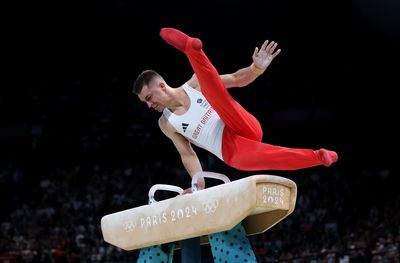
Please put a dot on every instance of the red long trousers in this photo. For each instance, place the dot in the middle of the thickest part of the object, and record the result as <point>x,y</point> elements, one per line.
<point>242,147</point>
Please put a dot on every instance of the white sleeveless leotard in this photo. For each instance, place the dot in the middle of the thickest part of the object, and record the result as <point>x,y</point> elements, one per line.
<point>200,124</point>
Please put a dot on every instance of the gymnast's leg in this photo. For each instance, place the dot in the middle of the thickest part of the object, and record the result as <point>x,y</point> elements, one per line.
<point>249,155</point>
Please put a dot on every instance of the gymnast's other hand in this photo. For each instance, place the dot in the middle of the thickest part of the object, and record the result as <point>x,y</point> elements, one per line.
<point>187,191</point>
<point>200,186</point>
<point>263,57</point>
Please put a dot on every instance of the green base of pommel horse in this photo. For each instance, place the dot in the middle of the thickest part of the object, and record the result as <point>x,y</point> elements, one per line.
<point>258,202</point>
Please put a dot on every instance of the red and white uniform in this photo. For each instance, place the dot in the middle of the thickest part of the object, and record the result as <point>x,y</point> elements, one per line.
<point>200,124</point>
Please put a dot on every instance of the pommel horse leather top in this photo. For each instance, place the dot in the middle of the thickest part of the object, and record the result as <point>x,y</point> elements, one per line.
<point>260,201</point>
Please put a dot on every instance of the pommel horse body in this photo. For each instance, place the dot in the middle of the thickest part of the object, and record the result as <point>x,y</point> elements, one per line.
<point>259,201</point>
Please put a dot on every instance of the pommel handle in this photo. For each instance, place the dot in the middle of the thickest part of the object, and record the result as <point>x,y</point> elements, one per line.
<point>165,187</point>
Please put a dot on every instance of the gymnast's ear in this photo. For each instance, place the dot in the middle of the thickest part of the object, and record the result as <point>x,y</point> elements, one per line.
<point>163,85</point>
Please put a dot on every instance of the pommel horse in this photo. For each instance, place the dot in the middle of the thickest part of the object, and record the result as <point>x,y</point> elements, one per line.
<point>258,201</point>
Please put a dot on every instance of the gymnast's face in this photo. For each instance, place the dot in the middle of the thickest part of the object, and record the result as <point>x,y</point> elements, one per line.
<point>154,95</point>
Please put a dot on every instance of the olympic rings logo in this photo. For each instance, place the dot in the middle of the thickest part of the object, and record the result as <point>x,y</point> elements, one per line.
<point>210,207</point>
<point>129,226</point>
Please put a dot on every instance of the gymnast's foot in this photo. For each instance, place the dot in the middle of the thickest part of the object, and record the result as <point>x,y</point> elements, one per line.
<point>327,157</point>
<point>179,39</point>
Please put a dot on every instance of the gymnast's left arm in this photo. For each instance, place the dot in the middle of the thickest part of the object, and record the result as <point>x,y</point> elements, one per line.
<point>262,58</point>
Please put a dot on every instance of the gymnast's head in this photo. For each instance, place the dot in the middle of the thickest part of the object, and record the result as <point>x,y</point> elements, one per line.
<point>152,89</point>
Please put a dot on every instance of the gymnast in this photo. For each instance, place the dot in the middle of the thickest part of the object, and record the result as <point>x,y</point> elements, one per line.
<point>203,113</point>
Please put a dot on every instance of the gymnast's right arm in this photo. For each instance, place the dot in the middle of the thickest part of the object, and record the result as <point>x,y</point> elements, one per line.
<point>188,155</point>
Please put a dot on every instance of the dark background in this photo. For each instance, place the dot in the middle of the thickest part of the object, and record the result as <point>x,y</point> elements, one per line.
<point>332,86</point>
<point>69,67</point>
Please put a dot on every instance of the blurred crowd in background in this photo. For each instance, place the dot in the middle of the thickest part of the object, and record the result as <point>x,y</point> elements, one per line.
<point>339,217</point>
<point>70,165</point>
